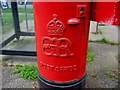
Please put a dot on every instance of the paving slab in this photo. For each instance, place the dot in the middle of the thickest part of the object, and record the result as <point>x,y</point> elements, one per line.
<point>0,73</point>
<point>108,31</point>
<point>105,61</point>
<point>11,80</point>
<point>24,44</point>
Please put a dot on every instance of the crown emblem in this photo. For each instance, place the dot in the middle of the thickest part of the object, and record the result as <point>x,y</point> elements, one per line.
<point>55,27</point>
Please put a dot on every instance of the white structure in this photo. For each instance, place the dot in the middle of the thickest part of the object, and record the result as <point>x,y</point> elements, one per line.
<point>4,4</point>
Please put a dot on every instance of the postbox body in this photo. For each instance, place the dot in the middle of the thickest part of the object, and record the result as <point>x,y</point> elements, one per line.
<point>61,39</point>
<point>61,30</point>
<point>106,12</point>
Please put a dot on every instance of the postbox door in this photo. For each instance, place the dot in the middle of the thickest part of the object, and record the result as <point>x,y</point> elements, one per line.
<point>61,37</point>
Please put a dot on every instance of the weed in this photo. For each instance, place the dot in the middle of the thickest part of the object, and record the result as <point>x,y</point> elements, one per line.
<point>118,27</point>
<point>118,57</point>
<point>97,32</point>
<point>26,71</point>
<point>4,63</point>
<point>90,56</point>
<point>111,75</point>
<point>104,40</point>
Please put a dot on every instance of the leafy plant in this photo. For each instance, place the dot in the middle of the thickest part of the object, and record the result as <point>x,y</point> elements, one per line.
<point>103,40</point>
<point>90,56</point>
<point>26,71</point>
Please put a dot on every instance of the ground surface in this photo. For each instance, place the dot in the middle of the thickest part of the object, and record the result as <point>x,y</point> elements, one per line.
<point>105,61</point>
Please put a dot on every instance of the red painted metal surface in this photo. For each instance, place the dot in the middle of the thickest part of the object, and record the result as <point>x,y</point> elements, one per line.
<point>106,12</point>
<point>62,30</point>
<point>62,39</point>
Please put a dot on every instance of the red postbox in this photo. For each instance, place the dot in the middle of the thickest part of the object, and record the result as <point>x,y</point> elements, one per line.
<point>61,29</point>
<point>61,37</point>
<point>106,12</point>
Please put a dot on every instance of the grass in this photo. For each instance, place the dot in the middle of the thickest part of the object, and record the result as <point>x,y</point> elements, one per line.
<point>104,40</point>
<point>111,75</point>
<point>8,21</point>
<point>20,10</point>
<point>90,55</point>
<point>26,71</point>
<point>22,17</point>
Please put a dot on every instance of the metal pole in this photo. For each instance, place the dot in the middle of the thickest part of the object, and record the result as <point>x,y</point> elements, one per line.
<point>26,15</point>
<point>0,25</point>
<point>97,28</point>
<point>15,19</point>
<point>1,14</point>
<point>118,34</point>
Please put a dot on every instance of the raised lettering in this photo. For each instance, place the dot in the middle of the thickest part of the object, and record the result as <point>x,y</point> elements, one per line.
<point>56,47</point>
<point>58,69</point>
